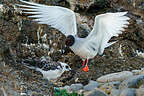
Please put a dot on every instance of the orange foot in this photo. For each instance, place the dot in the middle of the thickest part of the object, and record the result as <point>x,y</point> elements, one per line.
<point>86,69</point>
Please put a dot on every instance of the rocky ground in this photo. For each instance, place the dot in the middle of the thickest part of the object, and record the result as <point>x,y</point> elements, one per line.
<point>19,40</point>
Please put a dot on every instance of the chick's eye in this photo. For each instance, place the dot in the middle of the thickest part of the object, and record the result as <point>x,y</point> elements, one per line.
<point>67,67</point>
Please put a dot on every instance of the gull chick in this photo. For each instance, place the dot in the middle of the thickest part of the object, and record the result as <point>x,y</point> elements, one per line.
<point>50,70</point>
<point>105,26</point>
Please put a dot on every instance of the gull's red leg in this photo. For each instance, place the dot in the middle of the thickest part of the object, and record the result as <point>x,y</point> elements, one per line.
<point>87,61</point>
<point>86,69</point>
<point>83,63</point>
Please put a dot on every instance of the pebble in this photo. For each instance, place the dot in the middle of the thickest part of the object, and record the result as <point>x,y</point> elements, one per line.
<point>1,8</point>
<point>95,92</point>
<point>140,92</point>
<point>138,72</point>
<point>142,86</point>
<point>115,76</point>
<point>115,92</point>
<point>112,84</point>
<point>133,82</point>
<point>140,53</point>
<point>66,87</point>
<point>108,87</point>
<point>91,85</point>
<point>123,83</point>
<point>128,92</point>
<point>76,87</point>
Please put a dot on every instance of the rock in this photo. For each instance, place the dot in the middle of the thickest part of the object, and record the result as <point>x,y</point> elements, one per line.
<point>84,24</point>
<point>95,92</point>
<point>133,82</point>
<point>140,92</point>
<point>84,4</point>
<point>108,87</point>
<point>66,87</point>
<point>115,92</point>
<point>140,53</point>
<point>128,92</point>
<point>1,8</point>
<point>135,6</point>
<point>135,9</point>
<point>80,91</point>
<point>136,72</point>
<point>112,84</point>
<point>142,86</point>
<point>115,76</point>
<point>92,85</point>
<point>76,87</point>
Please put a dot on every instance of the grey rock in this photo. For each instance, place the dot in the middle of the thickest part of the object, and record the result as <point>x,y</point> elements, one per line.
<point>96,92</point>
<point>92,85</point>
<point>133,82</point>
<point>128,92</point>
<point>142,86</point>
<point>114,85</point>
<point>119,76</point>
<point>66,87</point>
<point>76,87</point>
<point>141,5</point>
<point>140,92</point>
<point>115,92</point>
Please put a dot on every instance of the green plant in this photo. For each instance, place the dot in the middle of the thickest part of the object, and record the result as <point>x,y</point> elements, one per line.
<point>63,92</point>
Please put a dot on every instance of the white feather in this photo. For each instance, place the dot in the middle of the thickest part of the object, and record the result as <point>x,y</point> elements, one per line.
<point>58,17</point>
<point>106,26</point>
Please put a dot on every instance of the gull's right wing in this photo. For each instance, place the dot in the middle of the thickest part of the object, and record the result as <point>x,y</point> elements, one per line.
<point>58,17</point>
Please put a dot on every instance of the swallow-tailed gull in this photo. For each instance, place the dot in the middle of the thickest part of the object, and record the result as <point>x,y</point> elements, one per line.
<point>50,70</point>
<point>105,26</point>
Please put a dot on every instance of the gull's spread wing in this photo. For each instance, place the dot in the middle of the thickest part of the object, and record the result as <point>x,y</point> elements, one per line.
<point>58,17</point>
<point>105,26</point>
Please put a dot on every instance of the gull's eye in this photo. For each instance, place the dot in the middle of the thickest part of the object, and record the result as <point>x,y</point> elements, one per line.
<point>68,41</point>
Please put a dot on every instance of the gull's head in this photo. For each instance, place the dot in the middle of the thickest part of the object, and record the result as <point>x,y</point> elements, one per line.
<point>70,40</point>
<point>65,67</point>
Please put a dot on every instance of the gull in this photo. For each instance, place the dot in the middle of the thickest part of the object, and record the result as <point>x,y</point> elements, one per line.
<point>63,19</point>
<point>50,70</point>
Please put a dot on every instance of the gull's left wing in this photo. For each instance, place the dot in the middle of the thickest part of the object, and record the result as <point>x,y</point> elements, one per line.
<point>58,17</point>
<point>105,26</point>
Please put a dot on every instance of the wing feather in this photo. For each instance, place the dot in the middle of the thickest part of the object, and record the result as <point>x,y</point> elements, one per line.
<point>58,17</point>
<point>106,26</point>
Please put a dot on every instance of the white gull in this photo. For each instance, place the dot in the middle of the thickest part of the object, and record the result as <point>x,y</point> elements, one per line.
<point>105,26</point>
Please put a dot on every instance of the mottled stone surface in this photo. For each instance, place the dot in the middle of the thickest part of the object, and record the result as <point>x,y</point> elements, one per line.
<point>115,76</point>
<point>128,92</point>
<point>76,87</point>
<point>140,92</point>
<point>96,92</point>
<point>91,85</point>
<point>133,82</point>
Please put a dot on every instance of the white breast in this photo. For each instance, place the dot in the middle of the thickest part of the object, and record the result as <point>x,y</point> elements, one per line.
<point>50,75</point>
<point>80,49</point>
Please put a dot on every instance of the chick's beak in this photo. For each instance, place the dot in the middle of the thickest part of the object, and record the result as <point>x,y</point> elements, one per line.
<point>70,69</point>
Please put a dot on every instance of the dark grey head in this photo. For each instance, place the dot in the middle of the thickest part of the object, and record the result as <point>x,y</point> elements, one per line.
<point>70,40</point>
